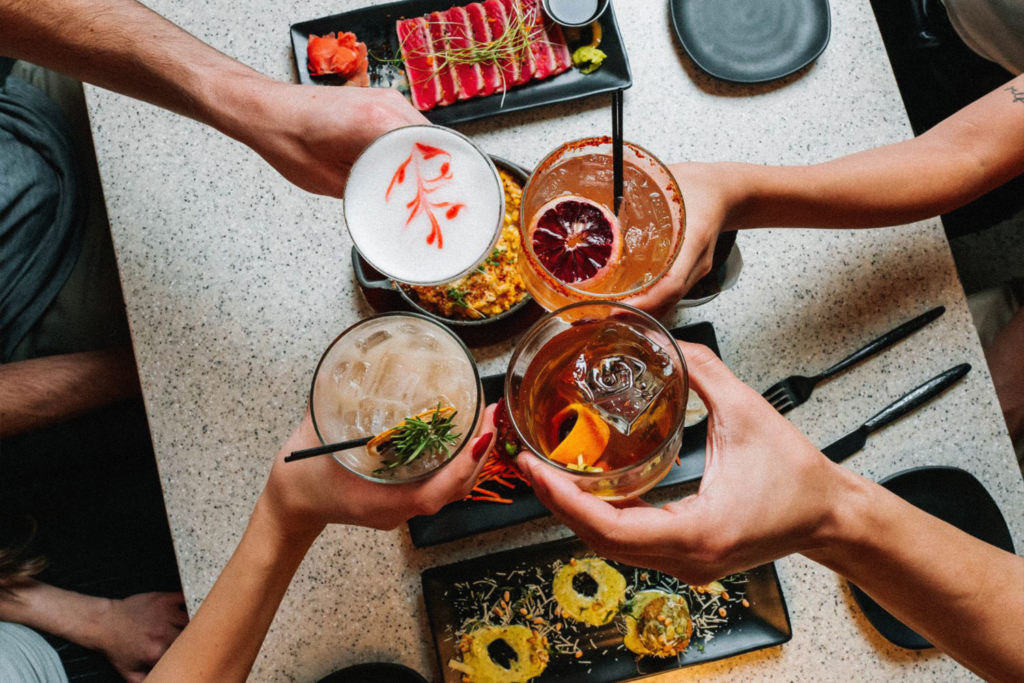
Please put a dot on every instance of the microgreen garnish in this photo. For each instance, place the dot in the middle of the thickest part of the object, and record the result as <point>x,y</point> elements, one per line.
<point>495,255</point>
<point>416,438</point>
<point>458,297</point>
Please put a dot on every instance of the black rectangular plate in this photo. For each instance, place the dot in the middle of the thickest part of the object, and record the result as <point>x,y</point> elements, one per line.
<point>764,624</point>
<point>468,517</point>
<point>375,26</point>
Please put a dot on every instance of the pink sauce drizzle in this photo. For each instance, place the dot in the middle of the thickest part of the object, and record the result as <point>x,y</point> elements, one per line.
<point>421,203</point>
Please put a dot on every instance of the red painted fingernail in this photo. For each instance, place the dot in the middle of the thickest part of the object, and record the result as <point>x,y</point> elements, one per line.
<point>481,445</point>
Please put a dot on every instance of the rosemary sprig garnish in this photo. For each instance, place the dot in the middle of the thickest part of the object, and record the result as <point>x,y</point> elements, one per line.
<point>416,438</point>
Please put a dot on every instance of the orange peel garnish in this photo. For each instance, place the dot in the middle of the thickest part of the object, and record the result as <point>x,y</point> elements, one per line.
<point>586,441</point>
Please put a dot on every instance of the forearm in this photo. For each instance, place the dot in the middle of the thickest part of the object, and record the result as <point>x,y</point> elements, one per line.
<point>965,156</point>
<point>42,391</point>
<point>123,46</point>
<point>222,640</point>
<point>958,592</point>
<point>72,616</point>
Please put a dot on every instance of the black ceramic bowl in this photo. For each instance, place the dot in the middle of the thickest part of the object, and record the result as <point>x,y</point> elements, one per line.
<point>374,672</point>
<point>954,496</point>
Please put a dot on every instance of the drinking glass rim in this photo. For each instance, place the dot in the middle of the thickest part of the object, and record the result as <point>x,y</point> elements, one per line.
<point>529,335</point>
<point>501,197</point>
<point>476,410</point>
<point>546,275</point>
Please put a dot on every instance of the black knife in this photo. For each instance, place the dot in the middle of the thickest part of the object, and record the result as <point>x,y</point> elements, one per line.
<point>855,440</point>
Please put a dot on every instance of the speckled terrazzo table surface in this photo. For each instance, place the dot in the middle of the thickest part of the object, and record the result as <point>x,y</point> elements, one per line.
<point>236,281</point>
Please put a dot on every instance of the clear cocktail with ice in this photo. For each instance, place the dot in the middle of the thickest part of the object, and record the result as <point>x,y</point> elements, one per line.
<point>599,391</point>
<point>383,370</point>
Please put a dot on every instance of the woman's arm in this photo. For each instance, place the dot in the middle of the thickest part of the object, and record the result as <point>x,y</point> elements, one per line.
<point>311,135</point>
<point>300,499</point>
<point>768,492</point>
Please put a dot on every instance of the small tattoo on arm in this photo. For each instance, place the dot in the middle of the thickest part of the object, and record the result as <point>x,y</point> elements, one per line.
<point>1018,95</point>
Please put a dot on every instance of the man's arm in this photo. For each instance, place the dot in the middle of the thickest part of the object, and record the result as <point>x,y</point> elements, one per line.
<point>132,633</point>
<point>768,492</point>
<point>969,154</point>
<point>310,134</point>
<point>963,595</point>
<point>972,152</point>
<point>43,391</point>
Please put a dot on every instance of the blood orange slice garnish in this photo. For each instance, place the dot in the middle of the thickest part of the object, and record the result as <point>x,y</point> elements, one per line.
<point>575,239</point>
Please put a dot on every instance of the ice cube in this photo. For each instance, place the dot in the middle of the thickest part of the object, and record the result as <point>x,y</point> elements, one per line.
<point>634,238</point>
<point>619,388</point>
<point>423,341</point>
<point>367,343</point>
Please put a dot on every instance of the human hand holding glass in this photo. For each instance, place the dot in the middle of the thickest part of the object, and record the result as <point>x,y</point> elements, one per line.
<point>713,196</point>
<point>305,496</point>
<point>768,492</point>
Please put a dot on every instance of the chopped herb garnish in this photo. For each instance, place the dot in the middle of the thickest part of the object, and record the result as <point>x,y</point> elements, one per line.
<point>458,297</point>
<point>493,259</point>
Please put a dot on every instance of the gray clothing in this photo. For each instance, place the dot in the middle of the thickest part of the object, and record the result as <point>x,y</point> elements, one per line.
<point>26,658</point>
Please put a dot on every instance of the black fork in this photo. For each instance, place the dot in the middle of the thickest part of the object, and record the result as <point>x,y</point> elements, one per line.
<point>795,390</point>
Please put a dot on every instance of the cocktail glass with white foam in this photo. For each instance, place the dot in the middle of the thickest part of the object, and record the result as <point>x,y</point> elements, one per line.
<point>384,369</point>
<point>424,205</point>
<point>575,248</point>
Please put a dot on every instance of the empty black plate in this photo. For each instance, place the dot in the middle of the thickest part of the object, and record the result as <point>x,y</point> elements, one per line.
<point>375,26</point>
<point>468,517</point>
<point>752,41</point>
<point>765,623</point>
<point>954,496</point>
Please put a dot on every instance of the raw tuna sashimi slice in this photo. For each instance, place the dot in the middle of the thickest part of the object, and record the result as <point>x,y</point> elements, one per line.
<point>563,58</point>
<point>482,34</point>
<point>418,55</point>
<point>469,77</point>
<point>520,11</point>
<point>543,55</point>
<point>445,74</point>
<point>509,66</point>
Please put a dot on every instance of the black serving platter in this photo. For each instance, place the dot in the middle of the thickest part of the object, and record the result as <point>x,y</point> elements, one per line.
<point>764,624</point>
<point>469,517</point>
<point>954,496</point>
<point>375,26</point>
<point>752,41</point>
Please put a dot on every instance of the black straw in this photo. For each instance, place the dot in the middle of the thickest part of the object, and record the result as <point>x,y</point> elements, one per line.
<point>617,147</point>
<point>329,448</point>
